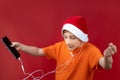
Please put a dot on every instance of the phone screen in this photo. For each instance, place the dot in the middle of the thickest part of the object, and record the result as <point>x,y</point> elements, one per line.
<point>8,44</point>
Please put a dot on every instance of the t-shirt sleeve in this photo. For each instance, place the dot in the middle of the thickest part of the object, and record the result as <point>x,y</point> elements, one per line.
<point>50,52</point>
<point>94,58</point>
<point>53,51</point>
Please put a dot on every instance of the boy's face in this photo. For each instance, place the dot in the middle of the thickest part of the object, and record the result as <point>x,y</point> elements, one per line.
<point>71,40</point>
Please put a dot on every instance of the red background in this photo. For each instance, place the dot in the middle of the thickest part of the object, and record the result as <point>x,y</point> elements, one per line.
<point>38,23</point>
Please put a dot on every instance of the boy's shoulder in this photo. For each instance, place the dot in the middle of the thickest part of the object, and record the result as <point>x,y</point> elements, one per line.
<point>91,46</point>
<point>60,43</point>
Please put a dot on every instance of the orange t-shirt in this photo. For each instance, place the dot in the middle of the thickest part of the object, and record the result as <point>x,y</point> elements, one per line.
<point>79,66</point>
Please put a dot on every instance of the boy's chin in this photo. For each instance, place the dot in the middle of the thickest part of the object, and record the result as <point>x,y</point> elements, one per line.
<point>71,49</point>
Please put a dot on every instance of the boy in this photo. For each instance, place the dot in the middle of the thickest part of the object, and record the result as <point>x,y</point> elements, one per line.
<point>76,58</point>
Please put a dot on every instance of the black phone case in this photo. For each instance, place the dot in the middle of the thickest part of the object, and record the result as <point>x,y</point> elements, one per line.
<point>8,44</point>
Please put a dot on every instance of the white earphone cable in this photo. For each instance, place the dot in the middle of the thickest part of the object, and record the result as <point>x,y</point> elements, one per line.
<point>45,74</point>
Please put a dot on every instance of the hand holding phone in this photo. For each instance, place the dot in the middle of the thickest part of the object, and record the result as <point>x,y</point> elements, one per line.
<point>8,44</point>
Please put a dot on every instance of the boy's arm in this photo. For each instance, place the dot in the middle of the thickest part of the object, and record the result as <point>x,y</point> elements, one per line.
<point>32,50</point>
<point>107,60</point>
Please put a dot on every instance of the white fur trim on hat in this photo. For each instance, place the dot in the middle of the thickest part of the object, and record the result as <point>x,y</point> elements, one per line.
<point>76,31</point>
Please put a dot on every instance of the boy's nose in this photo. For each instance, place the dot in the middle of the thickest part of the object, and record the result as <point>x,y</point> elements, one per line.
<point>68,41</point>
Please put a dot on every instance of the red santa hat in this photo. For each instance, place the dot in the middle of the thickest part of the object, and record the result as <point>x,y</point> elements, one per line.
<point>77,26</point>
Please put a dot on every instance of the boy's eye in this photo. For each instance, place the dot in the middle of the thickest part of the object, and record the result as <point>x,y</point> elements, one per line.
<point>70,37</point>
<point>65,37</point>
<point>73,37</point>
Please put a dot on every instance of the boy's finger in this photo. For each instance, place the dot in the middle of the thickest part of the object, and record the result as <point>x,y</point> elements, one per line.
<point>113,47</point>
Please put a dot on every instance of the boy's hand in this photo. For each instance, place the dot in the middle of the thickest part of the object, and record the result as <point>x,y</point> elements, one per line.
<point>17,45</point>
<point>110,50</point>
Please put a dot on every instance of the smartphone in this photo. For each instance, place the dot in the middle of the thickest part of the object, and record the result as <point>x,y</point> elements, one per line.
<point>8,44</point>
